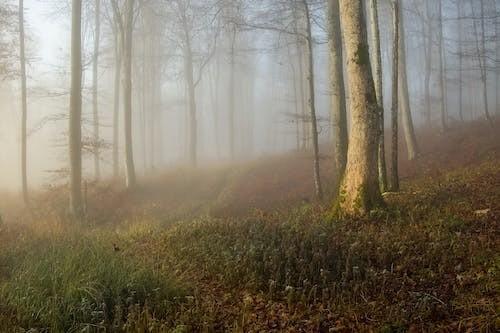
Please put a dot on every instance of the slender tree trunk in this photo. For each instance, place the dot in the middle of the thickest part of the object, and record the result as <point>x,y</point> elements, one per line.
<point>407,121</point>
<point>75,111</point>
<point>460,61</point>
<point>127,94</point>
<point>312,104</point>
<point>428,65</point>
<point>359,191</point>
<point>484,76</point>
<point>193,127</point>
<point>24,109</point>
<point>377,61</point>
<point>95,111</point>
<point>497,58</point>
<point>231,93</point>
<point>338,111</point>
<point>116,108</point>
<point>305,129</point>
<point>394,111</point>
<point>442,70</point>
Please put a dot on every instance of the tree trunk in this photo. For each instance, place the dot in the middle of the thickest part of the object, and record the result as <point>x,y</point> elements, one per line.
<point>360,191</point>
<point>460,61</point>
<point>95,111</point>
<point>394,111</point>
<point>193,127</point>
<point>75,111</point>
<point>428,66</point>
<point>338,111</point>
<point>116,108</point>
<point>231,93</point>
<point>497,58</point>
<point>484,74</point>
<point>312,105</point>
<point>382,171</point>
<point>407,121</point>
<point>442,70</point>
<point>127,94</point>
<point>24,109</point>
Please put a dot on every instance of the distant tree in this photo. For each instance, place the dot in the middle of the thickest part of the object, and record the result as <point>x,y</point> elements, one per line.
<point>394,183</point>
<point>404,93</point>
<point>75,111</point>
<point>442,70</point>
<point>359,191</point>
<point>95,102</point>
<point>24,105</point>
<point>128,25</point>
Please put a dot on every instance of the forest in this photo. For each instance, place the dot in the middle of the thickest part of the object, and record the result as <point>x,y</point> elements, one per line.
<point>249,166</point>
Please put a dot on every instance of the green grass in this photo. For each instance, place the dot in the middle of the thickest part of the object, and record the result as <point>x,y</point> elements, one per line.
<point>427,262</point>
<point>67,284</point>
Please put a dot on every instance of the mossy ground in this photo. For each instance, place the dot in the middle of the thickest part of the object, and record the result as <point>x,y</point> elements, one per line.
<point>213,256</point>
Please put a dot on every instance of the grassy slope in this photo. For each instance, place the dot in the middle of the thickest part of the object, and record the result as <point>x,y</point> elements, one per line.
<point>252,254</point>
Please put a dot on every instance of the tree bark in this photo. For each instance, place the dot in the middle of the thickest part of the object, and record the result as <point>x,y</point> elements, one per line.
<point>359,191</point>
<point>116,109</point>
<point>407,121</point>
<point>338,102</point>
<point>24,105</point>
<point>95,111</point>
<point>428,65</point>
<point>131,180</point>
<point>377,62</point>
<point>460,61</point>
<point>484,74</point>
<point>442,70</point>
<point>232,93</point>
<point>312,104</point>
<point>394,111</point>
<point>75,111</point>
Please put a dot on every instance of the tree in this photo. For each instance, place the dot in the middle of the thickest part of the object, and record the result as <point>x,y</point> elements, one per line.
<point>377,62</point>
<point>24,106</point>
<point>482,57</point>
<point>407,121</point>
<point>442,70</point>
<point>359,191</point>
<point>75,111</point>
<point>394,109</point>
<point>312,104</point>
<point>127,93</point>
<point>338,108</point>
<point>95,67</point>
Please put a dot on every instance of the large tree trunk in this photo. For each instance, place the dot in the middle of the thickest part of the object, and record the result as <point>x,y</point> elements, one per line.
<point>312,104</point>
<point>377,62</point>
<point>193,127</point>
<point>116,108</point>
<point>95,111</point>
<point>394,111</point>
<point>75,111</point>
<point>24,108</point>
<point>359,191</point>
<point>407,121</point>
<point>442,70</point>
<point>127,94</point>
<point>338,103</point>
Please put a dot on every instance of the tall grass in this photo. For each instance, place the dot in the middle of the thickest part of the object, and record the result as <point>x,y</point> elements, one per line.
<point>67,284</point>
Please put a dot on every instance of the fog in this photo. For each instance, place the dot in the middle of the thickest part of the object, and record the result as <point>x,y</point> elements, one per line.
<point>268,112</point>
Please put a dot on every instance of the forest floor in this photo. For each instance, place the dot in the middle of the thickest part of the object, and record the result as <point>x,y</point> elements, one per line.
<point>244,248</point>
